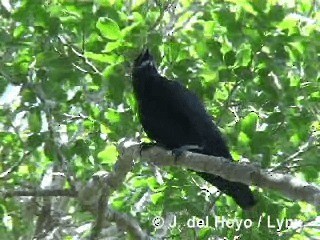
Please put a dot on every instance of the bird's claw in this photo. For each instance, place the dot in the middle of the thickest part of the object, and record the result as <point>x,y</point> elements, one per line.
<point>145,146</point>
<point>177,152</point>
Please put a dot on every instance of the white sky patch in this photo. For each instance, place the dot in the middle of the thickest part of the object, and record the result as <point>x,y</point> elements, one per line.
<point>10,95</point>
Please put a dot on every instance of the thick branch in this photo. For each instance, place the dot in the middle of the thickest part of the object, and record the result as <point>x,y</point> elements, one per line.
<point>127,222</point>
<point>289,186</point>
<point>39,193</point>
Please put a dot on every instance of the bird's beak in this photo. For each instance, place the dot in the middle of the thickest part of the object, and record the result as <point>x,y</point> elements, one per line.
<point>147,55</point>
<point>144,59</point>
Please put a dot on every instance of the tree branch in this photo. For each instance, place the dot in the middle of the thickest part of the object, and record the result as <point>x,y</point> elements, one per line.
<point>39,193</point>
<point>289,186</point>
<point>95,196</point>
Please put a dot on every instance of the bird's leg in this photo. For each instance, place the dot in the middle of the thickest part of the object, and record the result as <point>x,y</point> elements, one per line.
<point>145,146</point>
<point>177,152</point>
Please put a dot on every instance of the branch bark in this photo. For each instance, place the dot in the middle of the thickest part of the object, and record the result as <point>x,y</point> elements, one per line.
<point>288,185</point>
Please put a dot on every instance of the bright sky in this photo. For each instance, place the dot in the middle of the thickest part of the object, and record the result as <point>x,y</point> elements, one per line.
<point>10,94</point>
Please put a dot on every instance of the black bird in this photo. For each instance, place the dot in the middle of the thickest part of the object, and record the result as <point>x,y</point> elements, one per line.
<point>174,117</point>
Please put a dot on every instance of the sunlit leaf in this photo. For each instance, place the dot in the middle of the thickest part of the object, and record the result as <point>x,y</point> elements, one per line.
<point>108,28</point>
<point>108,155</point>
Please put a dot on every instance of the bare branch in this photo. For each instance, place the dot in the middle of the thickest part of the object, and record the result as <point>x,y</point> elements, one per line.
<point>6,174</point>
<point>95,196</point>
<point>128,223</point>
<point>291,161</point>
<point>80,55</point>
<point>289,186</point>
<point>39,193</point>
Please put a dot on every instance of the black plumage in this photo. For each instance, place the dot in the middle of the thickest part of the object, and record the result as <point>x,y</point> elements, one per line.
<point>174,117</point>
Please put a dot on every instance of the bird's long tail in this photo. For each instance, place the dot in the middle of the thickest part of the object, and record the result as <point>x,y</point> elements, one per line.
<point>240,192</point>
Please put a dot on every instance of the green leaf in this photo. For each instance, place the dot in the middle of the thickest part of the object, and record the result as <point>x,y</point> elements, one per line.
<point>23,170</point>
<point>156,197</point>
<point>249,124</point>
<point>172,50</point>
<point>224,75</point>
<point>243,139</point>
<point>230,58</point>
<point>113,116</point>
<point>49,150</point>
<point>276,117</point>
<point>244,56</point>
<point>105,58</point>
<point>34,141</point>
<point>34,121</point>
<point>108,155</point>
<point>112,46</point>
<point>81,149</point>
<point>108,28</point>
<point>3,85</point>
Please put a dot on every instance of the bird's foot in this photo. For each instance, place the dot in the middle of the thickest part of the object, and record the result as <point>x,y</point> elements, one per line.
<point>145,146</point>
<point>177,152</point>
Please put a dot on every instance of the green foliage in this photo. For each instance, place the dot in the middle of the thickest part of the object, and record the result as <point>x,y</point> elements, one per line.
<point>109,28</point>
<point>66,97</point>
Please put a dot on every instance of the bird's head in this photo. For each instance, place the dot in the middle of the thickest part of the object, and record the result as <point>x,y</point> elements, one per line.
<point>145,61</point>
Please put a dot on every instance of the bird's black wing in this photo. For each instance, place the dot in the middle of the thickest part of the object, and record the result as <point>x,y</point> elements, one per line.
<point>171,114</point>
<point>177,118</point>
